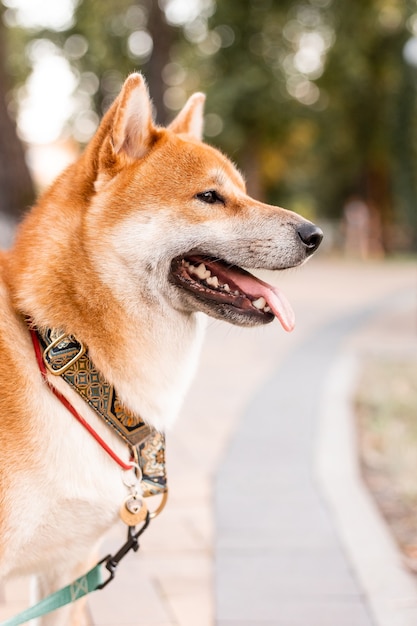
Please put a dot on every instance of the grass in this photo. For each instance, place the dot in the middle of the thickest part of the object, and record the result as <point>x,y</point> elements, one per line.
<point>386,405</point>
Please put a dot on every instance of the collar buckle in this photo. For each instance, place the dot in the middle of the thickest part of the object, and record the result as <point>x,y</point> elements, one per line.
<point>52,362</point>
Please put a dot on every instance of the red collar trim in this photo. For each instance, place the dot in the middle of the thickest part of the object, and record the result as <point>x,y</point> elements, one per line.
<point>70,408</point>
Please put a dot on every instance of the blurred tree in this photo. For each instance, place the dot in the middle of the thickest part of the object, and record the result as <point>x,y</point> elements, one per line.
<point>319,95</point>
<point>368,142</point>
<point>163,37</point>
<point>313,98</point>
<point>264,95</point>
<point>240,61</point>
<point>16,188</point>
<point>131,29</point>
<point>106,42</point>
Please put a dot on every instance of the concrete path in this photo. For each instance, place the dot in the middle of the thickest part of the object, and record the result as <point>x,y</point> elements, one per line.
<point>279,557</point>
<point>251,535</point>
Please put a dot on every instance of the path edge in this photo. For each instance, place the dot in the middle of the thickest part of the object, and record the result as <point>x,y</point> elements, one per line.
<point>390,589</point>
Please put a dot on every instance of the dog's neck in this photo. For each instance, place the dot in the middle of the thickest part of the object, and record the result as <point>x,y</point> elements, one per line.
<point>152,365</point>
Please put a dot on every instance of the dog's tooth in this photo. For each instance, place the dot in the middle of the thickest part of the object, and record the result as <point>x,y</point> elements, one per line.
<point>226,287</point>
<point>266,309</point>
<point>260,303</point>
<point>213,281</point>
<point>193,269</point>
<point>202,272</point>
<point>236,293</point>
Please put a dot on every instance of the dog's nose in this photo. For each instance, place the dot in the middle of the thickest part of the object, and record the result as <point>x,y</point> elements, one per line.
<point>311,236</point>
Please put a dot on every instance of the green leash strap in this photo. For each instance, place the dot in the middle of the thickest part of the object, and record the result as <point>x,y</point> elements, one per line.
<point>83,585</point>
<point>80,587</point>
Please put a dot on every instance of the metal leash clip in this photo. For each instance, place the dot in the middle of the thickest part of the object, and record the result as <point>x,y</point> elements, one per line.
<point>132,543</point>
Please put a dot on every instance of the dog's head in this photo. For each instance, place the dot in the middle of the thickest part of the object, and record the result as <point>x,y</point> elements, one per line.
<point>176,224</point>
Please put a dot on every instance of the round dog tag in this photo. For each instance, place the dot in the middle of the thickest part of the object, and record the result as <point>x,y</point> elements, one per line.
<point>133,511</point>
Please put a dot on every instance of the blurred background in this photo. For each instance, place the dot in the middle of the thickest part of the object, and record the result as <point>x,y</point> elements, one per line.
<point>316,102</point>
<point>314,99</point>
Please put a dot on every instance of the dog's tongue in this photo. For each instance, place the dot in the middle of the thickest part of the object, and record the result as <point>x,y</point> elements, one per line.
<point>276,300</point>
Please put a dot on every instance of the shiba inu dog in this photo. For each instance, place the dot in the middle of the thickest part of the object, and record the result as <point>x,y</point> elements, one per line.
<point>149,229</point>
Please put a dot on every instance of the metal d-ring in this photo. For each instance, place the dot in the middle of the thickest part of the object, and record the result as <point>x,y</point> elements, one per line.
<point>161,506</point>
<point>135,465</point>
<point>137,475</point>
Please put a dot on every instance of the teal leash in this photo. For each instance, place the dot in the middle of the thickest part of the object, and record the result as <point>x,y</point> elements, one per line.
<point>91,581</point>
<point>77,589</point>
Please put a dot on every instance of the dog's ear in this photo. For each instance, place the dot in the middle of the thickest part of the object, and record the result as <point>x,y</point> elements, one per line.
<point>133,129</point>
<point>126,132</point>
<point>190,119</point>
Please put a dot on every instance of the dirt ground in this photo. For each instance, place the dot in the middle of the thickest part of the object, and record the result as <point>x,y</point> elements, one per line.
<point>387,430</point>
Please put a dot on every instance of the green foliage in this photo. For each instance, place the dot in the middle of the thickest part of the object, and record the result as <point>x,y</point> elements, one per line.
<point>313,98</point>
<point>96,46</point>
<point>342,126</point>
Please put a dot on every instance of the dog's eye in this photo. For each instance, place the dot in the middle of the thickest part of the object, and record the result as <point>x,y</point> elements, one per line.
<point>210,197</point>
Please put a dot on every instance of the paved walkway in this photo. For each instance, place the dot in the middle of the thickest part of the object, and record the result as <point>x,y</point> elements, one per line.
<point>279,558</point>
<point>248,538</point>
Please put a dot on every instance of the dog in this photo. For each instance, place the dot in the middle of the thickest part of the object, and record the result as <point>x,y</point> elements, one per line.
<point>127,250</point>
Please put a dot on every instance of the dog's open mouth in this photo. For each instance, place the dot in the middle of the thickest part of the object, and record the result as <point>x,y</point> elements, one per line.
<point>218,284</point>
